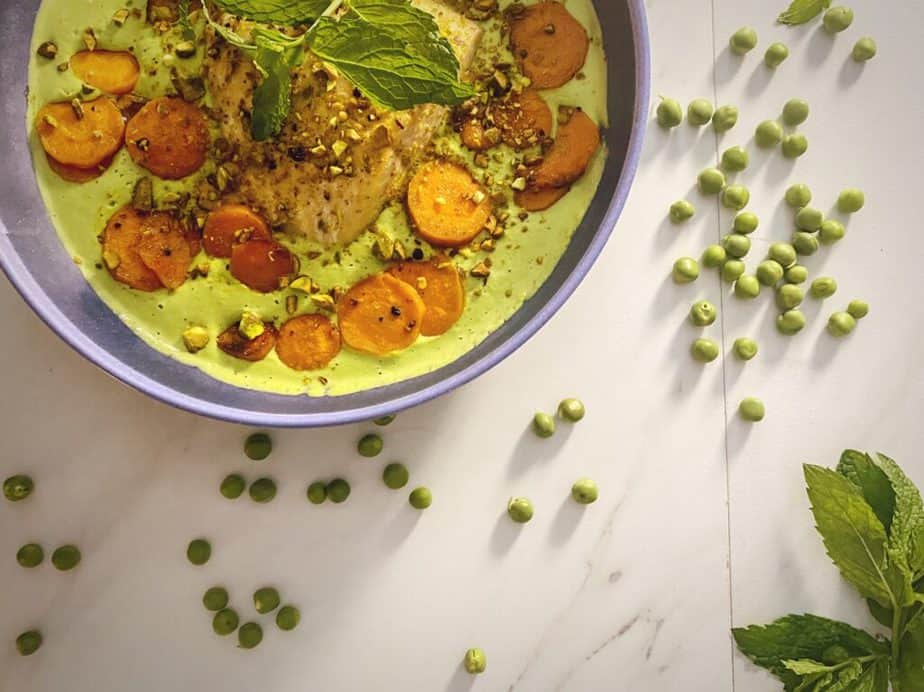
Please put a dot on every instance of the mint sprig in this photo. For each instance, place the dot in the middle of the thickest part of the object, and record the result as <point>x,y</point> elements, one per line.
<point>802,11</point>
<point>288,12</point>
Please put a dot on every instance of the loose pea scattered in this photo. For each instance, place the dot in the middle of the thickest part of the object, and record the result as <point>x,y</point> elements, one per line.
<point>258,446</point>
<point>317,493</point>
<point>265,600</point>
<point>66,558</point>
<point>396,476</point>
<point>831,231</point>
<point>288,617</point>
<point>790,322</point>
<point>420,498</point>
<point>735,197</point>
<point>686,269</point>
<point>225,622</point>
<point>858,309</point>
<point>743,41</point>
<point>745,348</point>
<point>809,219</point>
<point>714,256</point>
<point>864,49</point>
<point>768,134</point>
<point>806,244</point>
<point>249,635</point>
<point>736,245</point>
<point>796,274</point>
<point>745,223</point>
<point>338,490</point>
<point>681,211</point>
<point>769,272</point>
<point>19,487</point>
<point>732,270</point>
<point>571,410</point>
<point>385,420</point>
<point>789,296</point>
<point>29,642</point>
<point>735,159</point>
<point>838,19</point>
<point>199,551</point>
<point>798,195</point>
<point>752,410</point>
<point>704,350</point>
<point>699,112</point>
<point>585,491</point>
<point>520,510</point>
<point>747,287</point>
<point>30,555</point>
<point>215,599</point>
<point>725,118</point>
<point>703,313</point>
<point>784,253</point>
<point>263,490</point>
<point>841,324</point>
<point>794,146</point>
<point>776,55</point>
<point>370,445</point>
<point>711,181</point>
<point>850,201</point>
<point>543,425</point>
<point>795,112</point>
<point>823,287</point>
<point>233,486</point>
<point>669,113</point>
<point>475,662</point>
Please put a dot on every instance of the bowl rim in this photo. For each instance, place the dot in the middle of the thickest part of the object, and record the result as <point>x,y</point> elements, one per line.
<point>58,322</point>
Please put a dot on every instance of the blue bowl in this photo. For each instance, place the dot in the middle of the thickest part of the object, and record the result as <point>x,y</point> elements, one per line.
<point>44,274</point>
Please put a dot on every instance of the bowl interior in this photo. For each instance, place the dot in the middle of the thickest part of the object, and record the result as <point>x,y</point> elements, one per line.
<point>45,275</point>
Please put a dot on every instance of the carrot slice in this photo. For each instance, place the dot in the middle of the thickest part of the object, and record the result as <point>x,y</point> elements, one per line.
<point>73,174</point>
<point>232,224</point>
<point>115,72</point>
<point>308,342</point>
<point>441,199</point>
<point>439,285</point>
<point>540,199</point>
<point>524,119</point>
<point>193,237</point>
<point>550,44</point>
<point>169,137</point>
<point>570,155</point>
<point>83,136</point>
<point>473,136</point>
<point>120,251</point>
<point>260,264</point>
<point>164,249</point>
<point>232,342</point>
<point>380,315</point>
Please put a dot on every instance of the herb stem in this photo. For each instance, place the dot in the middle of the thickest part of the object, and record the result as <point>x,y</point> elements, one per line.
<point>897,615</point>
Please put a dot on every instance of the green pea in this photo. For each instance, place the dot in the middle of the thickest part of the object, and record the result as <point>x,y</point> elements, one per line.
<point>543,425</point>
<point>703,313</point>
<point>224,622</point>
<point>682,211</point>
<point>669,113</point>
<point>475,662</point>
<point>258,446</point>
<point>370,445</point>
<point>806,244</point>
<point>823,287</point>
<point>30,555</point>
<point>735,197</point>
<point>752,410</point>
<point>768,134</point>
<point>699,112</point>
<point>796,274</point>
<point>745,348</point>
<point>317,492</point>
<point>704,350</point>
<point>338,490</point>
<point>66,558</point>
<point>396,476</point>
<point>798,196</point>
<point>28,643</point>
<point>789,296</point>
<point>232,487</point>
<point>249,636</point>
<point>850,201</point>
<point>585,491</point>
<point>743,41</point>
<point>732,270</point>
<point>263,490</point>
<point>776,55</point>
<point>287,618</point>
<point>16,488</point>
<point>686,269</point>
<point>794,146</point>
<point>735,159</point>
<point>795,112</point>
<point>745,223</point>
<point>864,49</point>
<point>520,510</point>
<point>858,309</point>
<point>265,600</point>
<point>747,287</point>
<point>420,498</point>
<point>841,324</point>
<point>831,231</point>
<point>385,420</point>
<point>571,410</point>
<point>714,256</point>
<point>199,551</point>
<point>725,118</point>
<point>769,272</point>
<point>711,181</point>
<point>838,19</point>
<point>809,219</point>
<point>790,322</point>
<point>784,253</point>
<point>736,245</point>
<point>215,599</point>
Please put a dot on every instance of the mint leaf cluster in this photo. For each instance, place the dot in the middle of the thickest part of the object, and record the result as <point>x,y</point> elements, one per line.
<point>802,11</point>
<point>871,520</point>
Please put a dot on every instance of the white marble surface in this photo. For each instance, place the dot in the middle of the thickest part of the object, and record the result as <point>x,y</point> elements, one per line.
<point>702,520</point>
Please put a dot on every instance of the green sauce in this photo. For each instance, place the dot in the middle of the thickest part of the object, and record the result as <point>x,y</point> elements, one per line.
<point>524,257</point>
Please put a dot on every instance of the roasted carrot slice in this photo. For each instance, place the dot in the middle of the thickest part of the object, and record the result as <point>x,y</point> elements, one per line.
<point>524,119</point>
<point>540,199</point>
<point>73,174</point>
<point>550,44</point>
<point>115,72</point>
<point>169,137</point>
<point>569,156</point>
<point>193,237</point>
<point>164,249</point>
<point>261,264</point>
<point>380,315</point>
<point>473,136</point>
<point>120,251</point>
<point>232,342</point>
<point>439,285</point>
<point>446,205</point>
<point>308,342</point>
<point>83,135</point>
<point>232,224</point>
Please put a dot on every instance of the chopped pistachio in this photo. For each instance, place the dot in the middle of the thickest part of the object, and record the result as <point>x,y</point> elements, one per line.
<point>478,197</point>
<point>48,50</point>
<point>111,259</point>
<point>64,66</point>
<point>318,150</point>
<point>384,246</point>
<point>143,195</point>
<point>224,178</point>
<point>353,135</point>
<point>89,39</point>
<point>421,283</point>
<point>195,339</point>
<point>338,148</point>
<point>324,301</point>
<point>481,270</point>
<point>519,184</point>
<point>251,326</point>
<point>51,121</point>
<point>185,49</point>
<point>302,284</point>
<point>291,304</point>
<point>488,245</point>
<point>335,171</point>
<point>120,17</point>
<point>400,251</point>
<point>78,109</point>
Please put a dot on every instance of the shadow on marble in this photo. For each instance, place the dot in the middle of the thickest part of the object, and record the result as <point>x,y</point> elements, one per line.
<point>820,46</point>
<point>505,534</point>
<point>759,80</point>
<point>850,72</point>
<point>827,346</point>
<point>569,516</point>
<point>532,449</point>
<point>727,66</point>
<point>461,680</point>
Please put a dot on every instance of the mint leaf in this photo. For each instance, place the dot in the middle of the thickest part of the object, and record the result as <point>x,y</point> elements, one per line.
<point>272,100</point>
<point>909,673</point>
<point>860,470</point>
<point>875,678</point>
<point>288,12</point>
<point>907,533</point>
<point>855,539</point>
<point>802,11</point>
